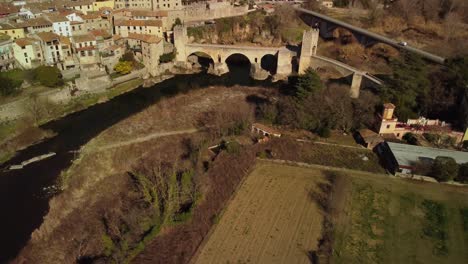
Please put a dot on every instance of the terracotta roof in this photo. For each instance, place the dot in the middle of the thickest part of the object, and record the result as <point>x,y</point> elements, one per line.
<point>22,42</point>
<point>40,21</point>
<point>75,22</point>
<point>7,8</point>
<point>48,36</point>
<point>138,23</point>
<point>65,40</point>
<point>101,33</point>
<point>84,38</point>
<point>92,15</point>
<point>54,17</point>
<point>7,26</point>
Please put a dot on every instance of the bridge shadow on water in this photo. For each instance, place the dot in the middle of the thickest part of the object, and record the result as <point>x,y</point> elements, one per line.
<point>24,194</point>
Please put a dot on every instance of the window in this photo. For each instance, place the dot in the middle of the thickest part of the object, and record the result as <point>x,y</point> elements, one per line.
<point>25,55</point>
<point>26,60</point>
<point>388,126</point>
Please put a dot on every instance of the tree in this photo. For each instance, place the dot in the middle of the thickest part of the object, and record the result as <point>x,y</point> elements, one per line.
<point>444,168</point>
<point>177,22</point>
<point>167,57</point>
<point>463,173</point>
<point>123,67</point>
<point>410,138</point>
<point>408,86</point>
<point>308,83</point>
<point>49,76</point>
<point>8,86</point>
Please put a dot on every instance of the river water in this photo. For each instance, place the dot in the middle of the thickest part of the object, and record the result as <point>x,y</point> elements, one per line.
<point>25,193</point>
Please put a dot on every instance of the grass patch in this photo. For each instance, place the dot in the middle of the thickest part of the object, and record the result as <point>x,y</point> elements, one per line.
<point>384,220</point>
<point>434,226</point>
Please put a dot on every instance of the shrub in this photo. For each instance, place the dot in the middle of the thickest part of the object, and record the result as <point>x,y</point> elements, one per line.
<point>324,132</point>
<point>444,168</point>
<point>167,57</point>
<point>124,67</point>
<point>410,138</point>
<point>463,173</point>
<point>8,86</point>
<point>233,148</point>
<point>433,138</point>
<point>48,76</point>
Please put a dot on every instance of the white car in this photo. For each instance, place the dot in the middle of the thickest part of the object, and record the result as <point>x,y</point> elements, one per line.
<point>403,43</point>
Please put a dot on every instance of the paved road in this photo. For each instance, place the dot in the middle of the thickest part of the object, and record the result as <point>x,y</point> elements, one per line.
<point>375,36</point>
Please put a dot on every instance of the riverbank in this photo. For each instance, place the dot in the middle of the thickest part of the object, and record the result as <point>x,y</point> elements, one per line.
<point>18,134</point>
<point>98,186</point>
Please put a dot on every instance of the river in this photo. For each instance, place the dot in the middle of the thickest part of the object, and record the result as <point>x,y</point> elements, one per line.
<point>25,193</point>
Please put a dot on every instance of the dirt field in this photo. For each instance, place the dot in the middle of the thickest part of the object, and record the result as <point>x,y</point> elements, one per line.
<point>385,220</point>
<point>271,219</point>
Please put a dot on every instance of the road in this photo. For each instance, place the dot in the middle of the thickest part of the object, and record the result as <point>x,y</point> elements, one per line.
<point>375,36</point>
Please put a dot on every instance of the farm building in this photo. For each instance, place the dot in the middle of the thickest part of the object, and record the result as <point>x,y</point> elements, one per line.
<point>403,158</point>
<point>265,130</point>
<point>368,138</point>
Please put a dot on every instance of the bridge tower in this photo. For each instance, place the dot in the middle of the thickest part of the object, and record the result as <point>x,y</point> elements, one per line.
<point>180,42</point>
<point>308,49</point>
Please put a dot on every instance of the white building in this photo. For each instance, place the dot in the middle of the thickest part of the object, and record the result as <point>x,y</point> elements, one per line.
<point>60,24</point>
<point>7,59</point>
<point>51,47</point>
<point>28,52</point>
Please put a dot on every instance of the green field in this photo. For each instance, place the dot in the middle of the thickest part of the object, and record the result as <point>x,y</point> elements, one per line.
<point>386,220</point>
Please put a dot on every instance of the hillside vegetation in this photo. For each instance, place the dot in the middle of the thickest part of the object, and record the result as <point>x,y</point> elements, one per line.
<point>282,27</point>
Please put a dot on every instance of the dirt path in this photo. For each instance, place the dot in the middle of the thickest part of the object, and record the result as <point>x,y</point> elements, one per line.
<point>145,138</point>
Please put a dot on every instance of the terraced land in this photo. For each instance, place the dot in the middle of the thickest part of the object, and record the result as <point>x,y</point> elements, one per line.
<point>272,218</point>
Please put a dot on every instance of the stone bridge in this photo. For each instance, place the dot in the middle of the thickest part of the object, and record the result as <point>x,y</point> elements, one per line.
<point>284,58</point>
<point>220,53</point>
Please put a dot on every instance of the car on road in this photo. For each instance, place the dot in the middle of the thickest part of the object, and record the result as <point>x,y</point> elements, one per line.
<point>403,43</point>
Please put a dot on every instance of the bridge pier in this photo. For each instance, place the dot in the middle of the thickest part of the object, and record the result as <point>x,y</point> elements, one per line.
<point>257,73</point>
<point>308,49</point>
<point>218,68</point>
<point>356,85</point>
<point>284,64</point>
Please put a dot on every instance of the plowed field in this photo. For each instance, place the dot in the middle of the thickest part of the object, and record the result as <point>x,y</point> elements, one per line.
<point>272,219</point>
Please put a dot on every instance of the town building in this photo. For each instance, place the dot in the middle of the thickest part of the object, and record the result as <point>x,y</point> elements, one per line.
<point>403,158</point>
<point>83,6</point>
<point>134,4</point>
<point>7,59</point>
<point>28,52</point>
<point>36,25</point>
<point>167,4</point>
<point>60,24</point>
<point>146,27</point>
<point>390,127</point>
<point>51,48</point>
<point>85,48</point>
<point>94,21</point>
<point>12,30</point>
<point>103,4</point>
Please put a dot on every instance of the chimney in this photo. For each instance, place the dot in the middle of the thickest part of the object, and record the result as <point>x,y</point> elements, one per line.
<point>388,111</point>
